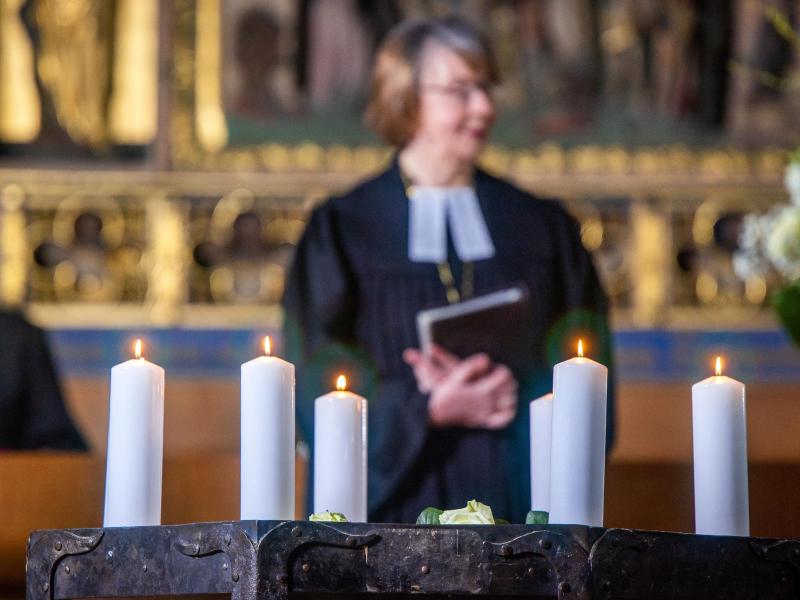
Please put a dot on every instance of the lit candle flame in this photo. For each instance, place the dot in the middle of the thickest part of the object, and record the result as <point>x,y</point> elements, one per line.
<point>267,346</point>
<point>341,383</point>
<point>580,348</point>
<point>137,349</point>
<point>718,368</point>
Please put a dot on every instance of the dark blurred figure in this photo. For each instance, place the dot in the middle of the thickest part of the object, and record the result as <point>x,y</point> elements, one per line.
<point>247,241</point>
<point>726,231</point>
<point>32,410</point>
<point>257,55</point>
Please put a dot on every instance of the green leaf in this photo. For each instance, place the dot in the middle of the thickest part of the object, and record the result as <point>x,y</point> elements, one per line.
<point>501,522</point>
<point>537,517</point>
<point>786,303</point>
<point>429,516</point>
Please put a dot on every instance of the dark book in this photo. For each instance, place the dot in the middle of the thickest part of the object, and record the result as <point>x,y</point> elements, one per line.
<point>496,324</point>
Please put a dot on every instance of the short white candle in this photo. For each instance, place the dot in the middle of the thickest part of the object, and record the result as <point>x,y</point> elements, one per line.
<point>135,443</point>
<point>267,444</point>
<point>719,427</point>
<point>578,450</point>
<point>541,417</point>
<point>340,453</point>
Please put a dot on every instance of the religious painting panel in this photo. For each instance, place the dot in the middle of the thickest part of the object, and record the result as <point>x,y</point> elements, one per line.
<point>638,73</point>
<point>705,237</point>
<point>242,245</point>
<point>78,79</point>
<point>73,246</point>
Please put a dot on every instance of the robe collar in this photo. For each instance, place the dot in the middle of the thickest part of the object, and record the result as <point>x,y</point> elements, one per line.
<point>433,211</point>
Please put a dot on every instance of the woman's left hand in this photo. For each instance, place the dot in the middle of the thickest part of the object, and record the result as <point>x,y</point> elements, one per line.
<point>430,368</point>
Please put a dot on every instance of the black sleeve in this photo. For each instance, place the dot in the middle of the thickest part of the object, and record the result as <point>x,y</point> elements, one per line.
<point>47,423</point>
<point>585,310</point>
<point>319,305</point>
<point>320,310</point>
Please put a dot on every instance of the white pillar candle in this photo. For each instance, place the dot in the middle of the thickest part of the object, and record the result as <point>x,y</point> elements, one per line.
<point>578,450</point>
<point>135,444</point>
<point>340,453</point>
<point>267,444</point>
<point>541,417</point>
<point>721,505</point>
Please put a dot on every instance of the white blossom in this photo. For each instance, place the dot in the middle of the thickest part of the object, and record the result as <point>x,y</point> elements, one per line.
<point>753,233</point>
<point>792,182</point>
<point>772,241</point>
<point>783,243</point>
<point>747,265</point>
<point>750,260</point>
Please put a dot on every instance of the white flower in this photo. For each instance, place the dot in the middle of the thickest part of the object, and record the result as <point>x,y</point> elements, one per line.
<point>474,513</point>
<point>772,240</point>
<point>783,243</point>
<point>749,260</point>
<point>328,516</point>
<point>792,182</point>
<point>753,234</point>
<point>747,265</point>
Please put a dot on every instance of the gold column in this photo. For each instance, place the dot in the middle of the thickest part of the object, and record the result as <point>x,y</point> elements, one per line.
<point>20,116</point>
<point>167,259</point>
<point>133,108</point>
<point>650,262</point>
<point>210,126</point>
<point>13,246</point>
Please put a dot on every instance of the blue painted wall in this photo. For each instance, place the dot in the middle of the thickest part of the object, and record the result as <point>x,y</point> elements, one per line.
<point>651,356</point>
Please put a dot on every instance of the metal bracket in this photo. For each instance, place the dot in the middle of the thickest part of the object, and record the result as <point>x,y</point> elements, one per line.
<point>602,560</point>
<point>204,540</point>
<point>784,551</point>
<point>567,557</point>
<point>47,552</point>
<point>276,548</point>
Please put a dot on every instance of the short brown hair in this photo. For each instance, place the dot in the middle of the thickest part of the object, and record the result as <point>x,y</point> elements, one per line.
<point>394,95</point>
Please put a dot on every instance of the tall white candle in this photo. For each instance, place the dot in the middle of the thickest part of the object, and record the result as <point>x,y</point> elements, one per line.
<point>721,504</point>
<point>267,445</point>
<point>135,444</point>
<point>340,453</point>
<point>541,417</point>
<point>578,451</point>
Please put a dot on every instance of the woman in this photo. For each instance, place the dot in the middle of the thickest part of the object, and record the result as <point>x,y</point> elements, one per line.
<point>442,430</point>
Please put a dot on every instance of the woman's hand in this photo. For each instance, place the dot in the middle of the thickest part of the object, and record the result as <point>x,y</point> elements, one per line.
<point>472,392</point>
<point>430,368</point>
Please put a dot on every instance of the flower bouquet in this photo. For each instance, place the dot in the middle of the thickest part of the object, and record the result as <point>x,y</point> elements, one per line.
<point>771,243</point>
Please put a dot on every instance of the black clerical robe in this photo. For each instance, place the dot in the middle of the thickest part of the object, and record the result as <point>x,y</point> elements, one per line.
<point>350,303</point>
<point>32,410</point>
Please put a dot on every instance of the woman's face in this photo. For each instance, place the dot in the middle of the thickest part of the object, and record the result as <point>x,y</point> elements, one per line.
<point>456,111</point>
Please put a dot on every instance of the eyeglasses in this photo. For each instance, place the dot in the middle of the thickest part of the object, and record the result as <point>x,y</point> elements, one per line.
<point>460,91</point>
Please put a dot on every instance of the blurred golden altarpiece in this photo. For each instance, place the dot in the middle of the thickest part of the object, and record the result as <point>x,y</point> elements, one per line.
<point>152,244</point>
